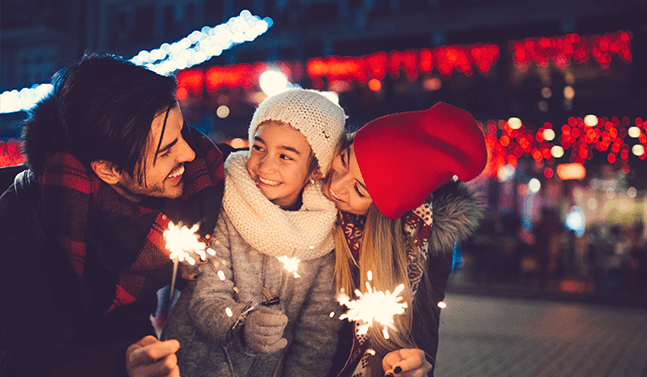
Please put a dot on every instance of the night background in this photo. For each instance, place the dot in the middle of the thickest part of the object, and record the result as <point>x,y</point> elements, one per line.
<point>559,87</point>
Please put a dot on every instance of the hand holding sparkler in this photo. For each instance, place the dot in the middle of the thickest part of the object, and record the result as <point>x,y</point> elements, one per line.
<point>373,307</point>
<point>264,330</point>
<point>408,361</point>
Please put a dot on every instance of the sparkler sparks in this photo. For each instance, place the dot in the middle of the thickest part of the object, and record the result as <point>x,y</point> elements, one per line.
<point>290,264</point>
<point>181,241</point>
<point>373,307</point>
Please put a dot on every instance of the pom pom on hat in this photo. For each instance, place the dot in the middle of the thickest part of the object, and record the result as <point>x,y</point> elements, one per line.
<point>319,119</point>
<point>404,157</point>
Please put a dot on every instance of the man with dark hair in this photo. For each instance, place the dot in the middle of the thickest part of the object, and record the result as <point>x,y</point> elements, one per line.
<point>81,232</point>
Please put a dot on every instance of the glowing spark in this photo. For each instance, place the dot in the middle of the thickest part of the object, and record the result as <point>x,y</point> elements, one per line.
<point>332,314</point>
<point>181,241</point>
<point>373,307</point>
<point>221,275</point>
<point>229,313</point>
<point>290,264</point>
<point>442,305</point>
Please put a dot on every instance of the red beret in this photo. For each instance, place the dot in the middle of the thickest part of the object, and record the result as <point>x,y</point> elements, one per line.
<point>404,157</point>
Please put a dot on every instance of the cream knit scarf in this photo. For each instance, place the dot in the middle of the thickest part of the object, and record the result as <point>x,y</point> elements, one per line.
<point>305,234</point>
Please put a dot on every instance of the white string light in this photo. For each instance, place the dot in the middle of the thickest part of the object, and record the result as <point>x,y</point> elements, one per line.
<point>197,47</point>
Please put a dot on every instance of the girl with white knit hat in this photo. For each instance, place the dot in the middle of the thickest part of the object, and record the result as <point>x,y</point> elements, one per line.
<point>246,314</point>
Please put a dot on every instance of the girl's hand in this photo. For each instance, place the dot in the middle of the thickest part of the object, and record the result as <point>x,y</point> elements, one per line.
<point>406,362</point>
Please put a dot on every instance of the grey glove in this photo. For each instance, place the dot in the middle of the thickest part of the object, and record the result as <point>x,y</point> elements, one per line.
<point>264,330</point>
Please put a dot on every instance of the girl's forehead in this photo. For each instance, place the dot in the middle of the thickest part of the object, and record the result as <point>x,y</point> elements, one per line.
<point>282,134</point>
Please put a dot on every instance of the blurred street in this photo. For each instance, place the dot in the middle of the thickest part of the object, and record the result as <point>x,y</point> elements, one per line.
<point>486,336</point>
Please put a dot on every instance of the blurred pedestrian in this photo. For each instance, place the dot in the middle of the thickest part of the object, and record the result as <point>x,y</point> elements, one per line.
<point>548,238</point>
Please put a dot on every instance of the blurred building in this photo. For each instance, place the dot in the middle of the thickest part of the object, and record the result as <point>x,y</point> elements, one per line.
<point>529,70</point>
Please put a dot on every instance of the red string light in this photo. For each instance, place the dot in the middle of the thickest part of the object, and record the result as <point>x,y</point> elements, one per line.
<point>571,47</point>
<point>506,145</point>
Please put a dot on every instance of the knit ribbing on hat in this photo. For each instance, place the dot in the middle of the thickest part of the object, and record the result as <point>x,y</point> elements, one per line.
<point>319,119</point>
<point>305,234</point>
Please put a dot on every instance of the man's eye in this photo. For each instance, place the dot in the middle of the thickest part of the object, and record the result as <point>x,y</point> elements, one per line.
<point>285,157</point>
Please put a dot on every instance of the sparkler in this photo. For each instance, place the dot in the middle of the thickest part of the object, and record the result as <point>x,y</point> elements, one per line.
<point>290,265</point>
<point>373,307</point>
<point>181,241</point>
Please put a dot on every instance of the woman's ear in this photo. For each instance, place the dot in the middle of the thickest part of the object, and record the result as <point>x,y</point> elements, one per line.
<point>106,171</point>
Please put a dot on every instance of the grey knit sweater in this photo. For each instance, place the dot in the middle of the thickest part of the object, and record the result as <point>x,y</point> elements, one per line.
<point>200,323</point>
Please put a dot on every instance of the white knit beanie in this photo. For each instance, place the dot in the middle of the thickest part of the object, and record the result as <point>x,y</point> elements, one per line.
<point>319,119</point>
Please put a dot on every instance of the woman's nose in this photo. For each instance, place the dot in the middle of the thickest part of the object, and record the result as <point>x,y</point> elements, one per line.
<point>340,183</point>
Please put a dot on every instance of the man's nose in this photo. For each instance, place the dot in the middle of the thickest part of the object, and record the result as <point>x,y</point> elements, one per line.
<point>186,152</point>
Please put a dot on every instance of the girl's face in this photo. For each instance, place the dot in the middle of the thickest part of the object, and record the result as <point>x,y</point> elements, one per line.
<point>345,185</point>
<point>278,162</point>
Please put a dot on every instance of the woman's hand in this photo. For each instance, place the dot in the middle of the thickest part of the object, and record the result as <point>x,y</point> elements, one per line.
<point>406,362</point>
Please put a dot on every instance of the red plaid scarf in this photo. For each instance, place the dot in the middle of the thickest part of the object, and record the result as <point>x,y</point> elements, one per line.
<point>417,225</point>
<point>116,246</point>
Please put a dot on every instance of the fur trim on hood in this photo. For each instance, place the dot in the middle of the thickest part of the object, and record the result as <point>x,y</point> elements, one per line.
<point>457,212</point>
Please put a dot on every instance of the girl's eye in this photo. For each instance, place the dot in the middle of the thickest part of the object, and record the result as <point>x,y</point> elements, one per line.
<point>166,153</point>
<point>343,157</point>
<point>257,147</point>
<point>358,192</point>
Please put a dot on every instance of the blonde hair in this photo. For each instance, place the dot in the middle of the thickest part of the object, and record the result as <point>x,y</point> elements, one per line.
<point>383,251</point>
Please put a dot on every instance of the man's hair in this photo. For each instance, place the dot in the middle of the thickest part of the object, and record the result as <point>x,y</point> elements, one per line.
<point>101,108</point>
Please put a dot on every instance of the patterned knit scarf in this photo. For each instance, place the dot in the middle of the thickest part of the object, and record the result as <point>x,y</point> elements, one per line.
<point>116,246</point>
<point>305,234</point>
<point>417,227</point>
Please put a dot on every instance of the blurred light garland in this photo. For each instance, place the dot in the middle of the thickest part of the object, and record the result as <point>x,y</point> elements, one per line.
<point>561,50</point>
<point>607,136</point>
<point>197,47</point>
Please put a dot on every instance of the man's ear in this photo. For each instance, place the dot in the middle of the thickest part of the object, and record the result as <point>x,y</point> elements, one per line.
<point>106,171</point>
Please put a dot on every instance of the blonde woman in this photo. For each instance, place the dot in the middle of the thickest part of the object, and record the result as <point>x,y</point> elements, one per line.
<point>400,215</point>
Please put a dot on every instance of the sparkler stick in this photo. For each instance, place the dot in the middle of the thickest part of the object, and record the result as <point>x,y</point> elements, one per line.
<point>373,307</point>
<point>291,265</point>
<point>181,241</point>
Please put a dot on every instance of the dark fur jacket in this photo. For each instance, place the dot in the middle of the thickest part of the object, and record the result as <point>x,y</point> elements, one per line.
<point>457,213</point>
